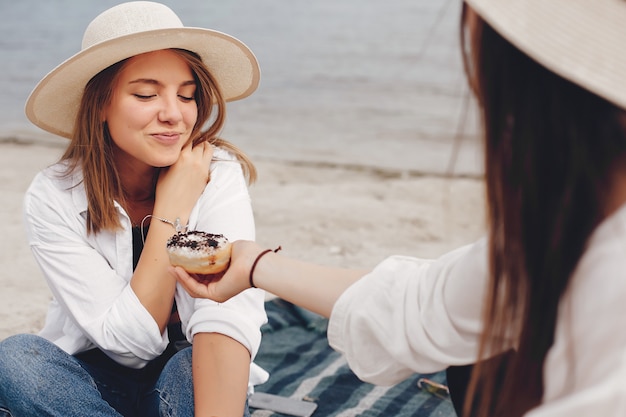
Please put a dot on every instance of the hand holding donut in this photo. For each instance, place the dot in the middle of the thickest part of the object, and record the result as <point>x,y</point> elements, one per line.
<point>223,285</point>
<point>311,286</point>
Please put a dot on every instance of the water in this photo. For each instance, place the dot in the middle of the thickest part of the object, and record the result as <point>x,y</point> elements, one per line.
<point>354,82</point>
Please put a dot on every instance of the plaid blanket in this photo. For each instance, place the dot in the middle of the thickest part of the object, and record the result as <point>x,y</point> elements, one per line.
<point>295,351</point>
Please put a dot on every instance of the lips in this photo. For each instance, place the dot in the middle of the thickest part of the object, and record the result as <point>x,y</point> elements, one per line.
<point>167,137</point>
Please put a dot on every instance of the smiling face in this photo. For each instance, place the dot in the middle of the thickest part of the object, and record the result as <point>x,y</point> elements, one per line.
<point>152,111</point>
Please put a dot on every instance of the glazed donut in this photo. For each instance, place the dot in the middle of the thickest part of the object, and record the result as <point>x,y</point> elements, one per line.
<point>199,252</point>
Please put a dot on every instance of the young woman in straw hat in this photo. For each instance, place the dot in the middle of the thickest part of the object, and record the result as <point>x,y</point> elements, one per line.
<point>549,280</point>
<point>142,104</point>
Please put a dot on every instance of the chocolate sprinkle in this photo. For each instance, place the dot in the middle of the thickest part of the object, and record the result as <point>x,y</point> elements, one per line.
<point>195,240</point>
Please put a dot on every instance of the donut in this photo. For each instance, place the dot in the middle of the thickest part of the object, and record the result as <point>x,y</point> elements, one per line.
<point>199,252</point>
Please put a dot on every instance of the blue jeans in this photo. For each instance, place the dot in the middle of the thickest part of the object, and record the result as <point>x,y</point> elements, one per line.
<point>39,379</point>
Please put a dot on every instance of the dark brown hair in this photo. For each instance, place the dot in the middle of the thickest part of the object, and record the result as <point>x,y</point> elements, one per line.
<point>550,149</point>
<point>91,145</point>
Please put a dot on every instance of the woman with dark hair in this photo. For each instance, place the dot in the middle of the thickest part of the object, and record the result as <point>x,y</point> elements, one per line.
<point>548,283</point>
<point>142,105</point>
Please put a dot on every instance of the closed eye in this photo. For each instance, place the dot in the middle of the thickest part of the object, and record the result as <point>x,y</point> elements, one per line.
<point>142,97</point>
<point>185,98</point>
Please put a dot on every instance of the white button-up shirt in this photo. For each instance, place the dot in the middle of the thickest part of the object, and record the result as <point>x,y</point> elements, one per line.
<point>411,315</point>
<point>89,275</point>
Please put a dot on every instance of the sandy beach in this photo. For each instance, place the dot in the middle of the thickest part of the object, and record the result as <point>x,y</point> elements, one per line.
<point>332,90</point>
<point>328,214</point>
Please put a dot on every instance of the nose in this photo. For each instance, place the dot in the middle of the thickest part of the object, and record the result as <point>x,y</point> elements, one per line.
<point>170,110</point>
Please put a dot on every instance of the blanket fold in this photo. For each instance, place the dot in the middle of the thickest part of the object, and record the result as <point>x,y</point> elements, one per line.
<point>295,351</point>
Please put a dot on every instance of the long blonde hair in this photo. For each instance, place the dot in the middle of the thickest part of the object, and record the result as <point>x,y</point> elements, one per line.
<point>91,145</point>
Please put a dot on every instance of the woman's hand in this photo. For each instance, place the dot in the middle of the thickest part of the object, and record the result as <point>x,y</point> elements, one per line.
<point>308,285</point>
<point>223,286</point>
<point>179,186</point>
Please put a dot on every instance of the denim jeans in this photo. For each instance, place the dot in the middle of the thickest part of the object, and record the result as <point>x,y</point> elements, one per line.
<point>39,379</point>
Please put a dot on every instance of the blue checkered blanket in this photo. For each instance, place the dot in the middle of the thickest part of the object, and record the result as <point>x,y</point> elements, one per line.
<point>295,351</point>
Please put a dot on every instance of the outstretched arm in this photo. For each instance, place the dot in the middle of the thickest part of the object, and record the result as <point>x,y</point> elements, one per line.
<point>308,285</point>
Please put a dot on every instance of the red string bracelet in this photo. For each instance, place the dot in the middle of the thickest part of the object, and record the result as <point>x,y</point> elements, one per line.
<point>257,260</point>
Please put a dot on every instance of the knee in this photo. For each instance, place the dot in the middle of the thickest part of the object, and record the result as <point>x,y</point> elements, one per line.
<point>35,374</point>
<point>173,392</point>
<point>178,368</point>
<point>19,362</point>
<point>17,353</point>
<point>25,357</point>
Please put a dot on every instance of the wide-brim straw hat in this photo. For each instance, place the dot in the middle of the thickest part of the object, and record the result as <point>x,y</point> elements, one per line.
<point>583,41</point>
<point>130,29</point>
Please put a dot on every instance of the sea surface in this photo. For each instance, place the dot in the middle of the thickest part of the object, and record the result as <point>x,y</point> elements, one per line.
<point>362,83</point>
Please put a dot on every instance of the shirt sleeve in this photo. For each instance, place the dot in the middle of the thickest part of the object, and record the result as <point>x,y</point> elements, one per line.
<point>100,307</point>
<point>412,315</point>
<point>225,208</point>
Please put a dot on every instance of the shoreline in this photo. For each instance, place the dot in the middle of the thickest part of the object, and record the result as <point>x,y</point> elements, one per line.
<point>349,216</point>
<point>54,142</point>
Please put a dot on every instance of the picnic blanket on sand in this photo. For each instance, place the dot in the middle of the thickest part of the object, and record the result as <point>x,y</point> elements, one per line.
<point>295,351</point>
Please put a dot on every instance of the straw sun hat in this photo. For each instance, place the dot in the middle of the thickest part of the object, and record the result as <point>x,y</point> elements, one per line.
<point>130,29</point>
<point>583,41</point>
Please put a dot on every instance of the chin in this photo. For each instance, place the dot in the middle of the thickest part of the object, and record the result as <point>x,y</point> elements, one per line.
<point>163,162</point>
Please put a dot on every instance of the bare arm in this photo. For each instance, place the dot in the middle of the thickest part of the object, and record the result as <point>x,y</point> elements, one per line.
<point>151,282</point>
<point>221,368</point>
<point>308,285</point>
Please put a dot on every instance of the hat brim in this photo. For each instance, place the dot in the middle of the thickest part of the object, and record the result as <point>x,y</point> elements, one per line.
<point>580,40</point>
<point>54,102</point>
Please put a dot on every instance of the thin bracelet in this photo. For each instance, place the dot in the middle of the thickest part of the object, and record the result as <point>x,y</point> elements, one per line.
<point>266,251</point>
<point>175,224</point>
